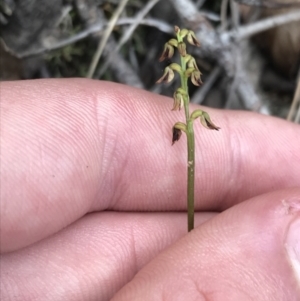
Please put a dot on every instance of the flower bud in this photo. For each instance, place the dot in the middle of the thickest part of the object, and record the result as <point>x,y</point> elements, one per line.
<point>183,32</point>
<point>173,42</point>
<point>189,71</point>
<point>178,96</point>
<point>176,29</point>
<point>176,67</point>
<point>182,48</point>
<point>167,76</point>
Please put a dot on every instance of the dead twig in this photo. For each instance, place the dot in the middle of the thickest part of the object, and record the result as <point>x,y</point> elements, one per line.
<point>235,14</point>
<point>237,57</point>
<point>120,67</point>
<point>104,39</point>
<point>297,119</point>
<point>199,3</point>
<point>295,103</point>
<point>247,31</point>
<point>200,94</point>
<point>140,16</point>
<point>95,28</point>
<point>268,3</point>
<point>223,15</point>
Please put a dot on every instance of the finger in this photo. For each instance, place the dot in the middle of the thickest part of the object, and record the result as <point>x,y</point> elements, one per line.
<point>249,252</point>
<point>74,146</point>
<point>91,259</point>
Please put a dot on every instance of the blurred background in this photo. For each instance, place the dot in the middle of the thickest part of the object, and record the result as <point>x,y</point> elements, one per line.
<point>249,54</point>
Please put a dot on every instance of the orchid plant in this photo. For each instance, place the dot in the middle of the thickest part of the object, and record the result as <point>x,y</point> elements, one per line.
<point>187,68</point>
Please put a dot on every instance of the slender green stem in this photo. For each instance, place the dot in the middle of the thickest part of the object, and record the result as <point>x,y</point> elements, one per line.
<point>191,174</point>
<point>191,149</point>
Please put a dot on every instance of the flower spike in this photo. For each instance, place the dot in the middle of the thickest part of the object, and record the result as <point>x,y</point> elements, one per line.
<point>187,68</point>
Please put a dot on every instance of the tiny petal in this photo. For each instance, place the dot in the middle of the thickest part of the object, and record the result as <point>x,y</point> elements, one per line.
<point>173,42</point>
<point>167,76</point>
<point>177,131</point>
<point>191,38</point>
<point>183,32</point>
<point>196,78</point>
<point>182,48</point>
<point>189,71</point>
<point>187,58</point>
<point>176,67</point>
<point>180,126</point>
<point>176,29</point>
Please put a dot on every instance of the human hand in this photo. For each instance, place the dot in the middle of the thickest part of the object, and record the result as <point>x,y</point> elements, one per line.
<point>93,199</point>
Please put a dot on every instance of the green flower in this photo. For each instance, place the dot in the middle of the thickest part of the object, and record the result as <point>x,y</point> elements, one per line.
<point>196,78</point>
<point>168,51</point>
<point>204,119</point>
<point>177,131</point>
<point>178,96</point>
<point>191,38</point>
<point>167,76</point>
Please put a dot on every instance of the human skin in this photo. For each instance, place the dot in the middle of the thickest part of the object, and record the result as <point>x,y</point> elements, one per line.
<point>93,199</point>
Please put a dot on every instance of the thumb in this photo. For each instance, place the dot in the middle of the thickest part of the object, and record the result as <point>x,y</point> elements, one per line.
<point>249,252</point>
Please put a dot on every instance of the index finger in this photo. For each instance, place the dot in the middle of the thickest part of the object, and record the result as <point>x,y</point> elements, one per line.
<point>74,146</point>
